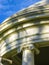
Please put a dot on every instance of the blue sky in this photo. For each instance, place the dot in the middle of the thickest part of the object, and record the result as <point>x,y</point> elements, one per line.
<point>10,7</point>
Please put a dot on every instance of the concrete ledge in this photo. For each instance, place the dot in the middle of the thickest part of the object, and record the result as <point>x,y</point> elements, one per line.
<point>30,26</point>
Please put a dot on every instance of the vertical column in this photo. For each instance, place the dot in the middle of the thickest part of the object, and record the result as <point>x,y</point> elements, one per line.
<point>28,57</point>
<point>28,54</point>
<point>0,61</point>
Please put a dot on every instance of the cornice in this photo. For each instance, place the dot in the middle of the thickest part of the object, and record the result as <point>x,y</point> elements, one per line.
<point>27,20</point>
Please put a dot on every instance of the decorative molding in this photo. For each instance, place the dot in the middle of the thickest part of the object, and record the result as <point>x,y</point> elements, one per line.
<point>29,26</point>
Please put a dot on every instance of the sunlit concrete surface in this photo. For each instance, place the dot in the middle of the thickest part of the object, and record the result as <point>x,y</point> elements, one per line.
<point>28,57</point>
<point>27,30</point>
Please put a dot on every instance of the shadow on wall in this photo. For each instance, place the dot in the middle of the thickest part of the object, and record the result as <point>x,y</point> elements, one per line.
<point>38,37</point>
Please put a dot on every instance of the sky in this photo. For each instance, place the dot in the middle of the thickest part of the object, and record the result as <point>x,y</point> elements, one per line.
<point>10,7</point>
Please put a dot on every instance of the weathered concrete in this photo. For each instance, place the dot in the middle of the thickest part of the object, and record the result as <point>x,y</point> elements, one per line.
<point>28,57</point>
<point>30,26</point>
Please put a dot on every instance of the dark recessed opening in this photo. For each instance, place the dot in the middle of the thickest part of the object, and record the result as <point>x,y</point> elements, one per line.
<point>43,57</point>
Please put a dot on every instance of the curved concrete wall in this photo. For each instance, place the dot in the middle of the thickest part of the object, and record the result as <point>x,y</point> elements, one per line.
<point>29,26</point>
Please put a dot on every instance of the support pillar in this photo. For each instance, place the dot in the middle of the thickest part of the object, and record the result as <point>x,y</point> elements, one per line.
<point>0,62</point>
<point>28,57</point>
<point>28,53</point>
